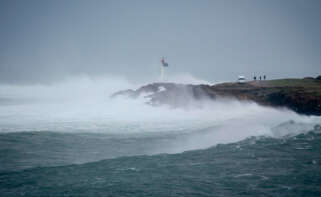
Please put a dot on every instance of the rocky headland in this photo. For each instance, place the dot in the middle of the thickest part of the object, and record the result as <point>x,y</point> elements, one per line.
<point>300,95</point>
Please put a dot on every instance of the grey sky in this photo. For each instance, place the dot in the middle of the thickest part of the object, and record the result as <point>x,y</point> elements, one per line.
<point>46,41</point>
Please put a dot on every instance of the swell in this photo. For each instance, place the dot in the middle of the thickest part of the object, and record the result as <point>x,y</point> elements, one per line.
<point>256,166</point>
<point>23,150</point>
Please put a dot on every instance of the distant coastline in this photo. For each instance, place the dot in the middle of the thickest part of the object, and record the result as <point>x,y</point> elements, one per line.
<point>300,95</point>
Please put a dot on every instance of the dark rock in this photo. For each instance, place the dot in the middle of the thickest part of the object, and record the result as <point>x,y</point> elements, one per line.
<point>317,127</point>
<point>300,95</point>
<point>128,93</point>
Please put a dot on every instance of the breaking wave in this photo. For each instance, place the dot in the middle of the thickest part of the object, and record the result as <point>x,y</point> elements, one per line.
<point>83,105</point>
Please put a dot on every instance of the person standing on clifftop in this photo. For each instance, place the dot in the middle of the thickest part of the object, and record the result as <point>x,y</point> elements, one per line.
<point>260,78</point>
<point>264,77</point>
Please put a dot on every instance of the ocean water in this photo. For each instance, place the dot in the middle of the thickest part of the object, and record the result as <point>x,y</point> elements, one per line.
<point>57,141</point>
<point>256,166</point>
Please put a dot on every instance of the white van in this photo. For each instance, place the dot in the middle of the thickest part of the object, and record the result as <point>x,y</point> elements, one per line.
<point>241,79</point>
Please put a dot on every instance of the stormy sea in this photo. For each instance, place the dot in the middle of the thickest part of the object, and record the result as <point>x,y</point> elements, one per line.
<point>71,139</point>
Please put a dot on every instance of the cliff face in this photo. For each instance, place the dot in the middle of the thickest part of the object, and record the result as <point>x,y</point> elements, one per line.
<point>175,95</point>
<point>300,95</point>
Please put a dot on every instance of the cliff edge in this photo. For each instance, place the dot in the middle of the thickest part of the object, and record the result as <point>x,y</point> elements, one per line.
<point>300,95</point>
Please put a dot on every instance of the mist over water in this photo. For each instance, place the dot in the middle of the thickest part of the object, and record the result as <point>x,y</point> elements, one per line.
<point>61,133</point>
<point>82,105</point>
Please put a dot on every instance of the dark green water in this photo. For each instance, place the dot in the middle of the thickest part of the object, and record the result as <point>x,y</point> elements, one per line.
<point>260,166</point>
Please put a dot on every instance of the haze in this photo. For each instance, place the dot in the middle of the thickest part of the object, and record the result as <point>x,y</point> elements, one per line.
<point>50,41</point>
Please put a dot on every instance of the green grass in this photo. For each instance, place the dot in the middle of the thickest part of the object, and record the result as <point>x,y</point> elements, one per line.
<point>312,83</point>
<point>309,86</point>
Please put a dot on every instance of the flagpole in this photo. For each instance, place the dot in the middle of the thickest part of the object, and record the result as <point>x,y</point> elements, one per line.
<point>162,73</point>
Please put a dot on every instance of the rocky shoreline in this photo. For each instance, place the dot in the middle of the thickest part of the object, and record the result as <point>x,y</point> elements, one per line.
<point>300,95</point>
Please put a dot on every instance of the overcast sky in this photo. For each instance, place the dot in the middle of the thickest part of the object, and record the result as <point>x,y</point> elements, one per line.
<point>48,41</point>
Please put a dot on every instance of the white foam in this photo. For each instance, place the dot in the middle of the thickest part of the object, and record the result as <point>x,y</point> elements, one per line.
<point>83,105</point>
<point>161,89</point>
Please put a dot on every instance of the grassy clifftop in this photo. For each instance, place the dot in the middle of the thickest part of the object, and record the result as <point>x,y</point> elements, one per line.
<point>300,95</point>
<point>306,82</point>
